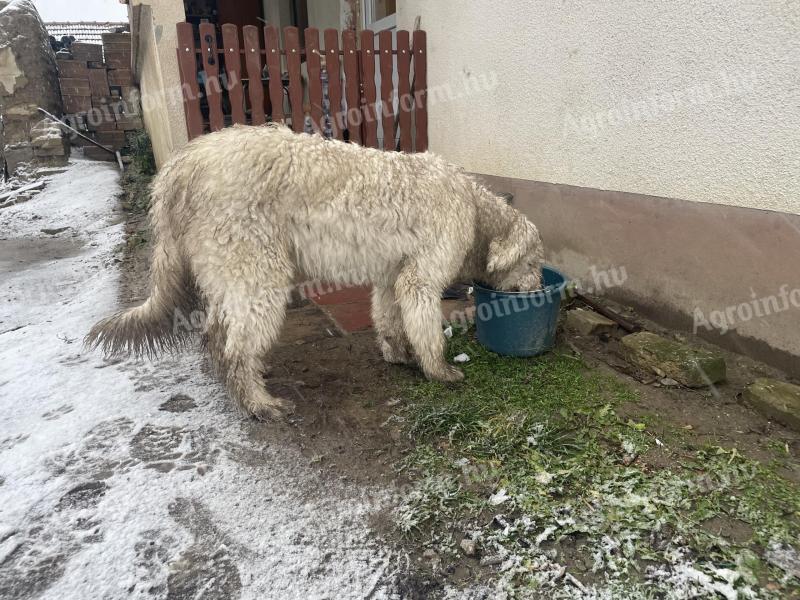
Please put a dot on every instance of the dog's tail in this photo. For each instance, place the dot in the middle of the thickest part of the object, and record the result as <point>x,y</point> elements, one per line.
<point>159,323</point>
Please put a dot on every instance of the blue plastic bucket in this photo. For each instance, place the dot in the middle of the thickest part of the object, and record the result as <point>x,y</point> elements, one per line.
<point>519,323</point>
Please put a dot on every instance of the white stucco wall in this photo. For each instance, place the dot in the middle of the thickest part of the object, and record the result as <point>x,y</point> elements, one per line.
<point>158,75</point>
<point>690,99</point>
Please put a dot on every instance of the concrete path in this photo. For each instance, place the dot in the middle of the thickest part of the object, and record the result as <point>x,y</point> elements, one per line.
<point>136,479</point>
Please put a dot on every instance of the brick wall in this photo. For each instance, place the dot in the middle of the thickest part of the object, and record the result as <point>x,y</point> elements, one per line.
<point>99,93</point>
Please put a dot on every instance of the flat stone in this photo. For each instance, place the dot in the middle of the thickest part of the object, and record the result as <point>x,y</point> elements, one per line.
<point>44,172</point>
<point>777,400</point>
<point>55,231</point>
<point>690,366</point>
<point>469,547</point>
<point>588,322</point>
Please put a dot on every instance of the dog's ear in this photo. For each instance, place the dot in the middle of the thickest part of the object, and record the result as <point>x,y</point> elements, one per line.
<point>521,240</point>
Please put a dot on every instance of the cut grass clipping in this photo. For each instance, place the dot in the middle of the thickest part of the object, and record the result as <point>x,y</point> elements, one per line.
<point>529,460</point>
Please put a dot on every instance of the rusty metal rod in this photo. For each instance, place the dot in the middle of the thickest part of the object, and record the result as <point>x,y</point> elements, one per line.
<point>609,314</point>
<point>84,137</point>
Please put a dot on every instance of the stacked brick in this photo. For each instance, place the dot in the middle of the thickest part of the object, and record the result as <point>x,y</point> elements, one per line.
<point>99,92</point>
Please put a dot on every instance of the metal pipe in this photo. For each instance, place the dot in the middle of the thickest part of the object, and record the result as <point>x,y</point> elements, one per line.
<point>84,137</point>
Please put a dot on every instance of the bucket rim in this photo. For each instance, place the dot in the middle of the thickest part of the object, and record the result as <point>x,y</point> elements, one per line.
<point>547,290</point>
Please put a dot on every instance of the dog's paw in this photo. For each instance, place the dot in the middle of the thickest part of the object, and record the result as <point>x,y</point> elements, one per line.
<point>393,355</point>
<point>448,374</point>
<point>275,409</point>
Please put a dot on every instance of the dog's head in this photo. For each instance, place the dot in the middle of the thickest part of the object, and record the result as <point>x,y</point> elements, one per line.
<point>514,261</point>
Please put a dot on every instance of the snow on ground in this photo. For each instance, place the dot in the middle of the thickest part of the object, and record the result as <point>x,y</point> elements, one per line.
<point>136,478</point>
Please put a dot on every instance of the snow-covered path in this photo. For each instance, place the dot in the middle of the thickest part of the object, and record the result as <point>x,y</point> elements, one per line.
<point>136,479</point>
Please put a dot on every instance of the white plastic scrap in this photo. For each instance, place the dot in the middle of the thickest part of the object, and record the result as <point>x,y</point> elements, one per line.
<point>548,531</point>
<point>448,333</point>
<point>461,358</point>
<point>785,557</point>
<point>499,497</point>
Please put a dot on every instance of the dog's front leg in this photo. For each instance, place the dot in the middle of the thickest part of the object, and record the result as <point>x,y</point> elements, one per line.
<point>420,308</point>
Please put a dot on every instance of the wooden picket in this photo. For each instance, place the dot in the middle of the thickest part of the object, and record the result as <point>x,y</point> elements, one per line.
<point>348,104</point>
<point>187,67</point>
<point>252,58</point>
<point>272,49</point>
<point>352,86</point>
<point>420,90</point>
<point>291,37</point>
<point>213,87</point>
<point>314,79</point>
<point>387,89</point>
<point>334,68</point>
<point>233,69</point>
<point>405,104</point>
<point>368,86</point>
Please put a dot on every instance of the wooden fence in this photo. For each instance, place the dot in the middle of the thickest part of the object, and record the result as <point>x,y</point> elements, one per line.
<point>250,82</point>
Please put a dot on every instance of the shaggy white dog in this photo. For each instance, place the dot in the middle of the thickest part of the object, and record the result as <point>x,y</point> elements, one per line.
<point>237,215</point>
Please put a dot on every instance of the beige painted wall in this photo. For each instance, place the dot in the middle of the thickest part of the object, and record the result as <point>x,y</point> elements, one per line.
<point>324,14</point>
<point>278,12</point>
<point>694,99</point>
<point>157,72</point>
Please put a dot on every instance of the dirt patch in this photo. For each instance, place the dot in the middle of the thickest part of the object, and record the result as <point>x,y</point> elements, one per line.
<point>344,394</point>
<point>347,400</point>
<point>693,418</point>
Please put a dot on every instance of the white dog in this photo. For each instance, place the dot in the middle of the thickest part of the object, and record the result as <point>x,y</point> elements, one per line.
<point>237,215</point>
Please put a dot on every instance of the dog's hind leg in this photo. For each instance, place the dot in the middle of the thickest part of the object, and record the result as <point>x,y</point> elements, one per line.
<point>245,319</point>
<point>388,320</point>
<point>420,306</point>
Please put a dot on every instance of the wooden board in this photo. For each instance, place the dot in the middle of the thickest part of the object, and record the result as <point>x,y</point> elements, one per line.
<point>252,59</point>
<point>210,54</point>
<point>334,69</point>
<point>404,97</point>
<point>291,39</point>
<point>187,66</point>
<point>387,89</point>
<point>421,90</point>
<point>370,99</point>
<point>274,67</point>
<point>233,69</point>
<point>314,79</point>
<point>352,83</point>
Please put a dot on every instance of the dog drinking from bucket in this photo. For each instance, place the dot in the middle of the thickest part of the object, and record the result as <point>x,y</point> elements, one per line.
<point>239,214</point>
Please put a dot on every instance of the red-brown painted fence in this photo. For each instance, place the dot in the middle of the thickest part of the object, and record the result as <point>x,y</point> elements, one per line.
<point>404,90</point>
<point>333,63</point>
<point>370,98</point>
<point>315,95</point>
<point>187,66</point>
<point>208,48</point>
<point>233,68</point>
<point>252,58</point>
<point>249,79</point>
<point>387,89</point>
<point>352,86</point>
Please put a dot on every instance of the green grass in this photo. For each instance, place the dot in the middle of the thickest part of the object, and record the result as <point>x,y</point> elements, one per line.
<point>547,432</point>
<point>139,173</point>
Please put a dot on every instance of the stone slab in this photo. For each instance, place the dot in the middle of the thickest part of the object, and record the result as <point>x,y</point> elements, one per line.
<point>777,400</point>
<point>588,322</point>
<point>688,365</point>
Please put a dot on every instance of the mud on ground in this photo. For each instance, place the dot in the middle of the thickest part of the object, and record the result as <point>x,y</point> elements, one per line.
<point>346,397</point>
